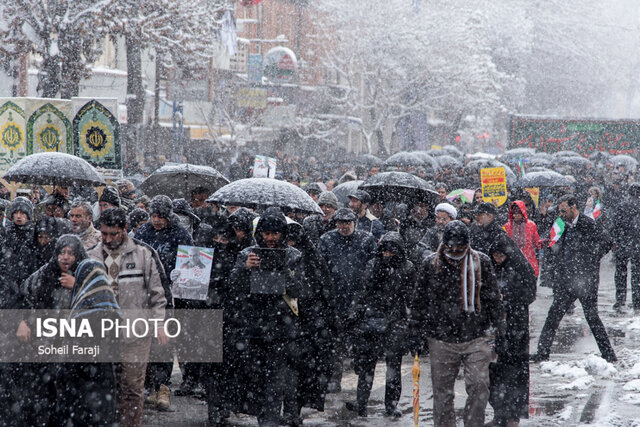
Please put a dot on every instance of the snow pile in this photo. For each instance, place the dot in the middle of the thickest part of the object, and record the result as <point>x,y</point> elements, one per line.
<point>633,385</point>
<point>596,365</point>
<point>580,373</point>
<point>565,414</point>
<point>632,324</point>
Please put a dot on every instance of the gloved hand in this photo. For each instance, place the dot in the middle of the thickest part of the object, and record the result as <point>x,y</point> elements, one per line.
<point>175,273</point>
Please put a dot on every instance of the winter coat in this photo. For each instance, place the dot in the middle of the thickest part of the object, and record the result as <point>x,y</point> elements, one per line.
<point>314,362</point>
<point>381,307</point>
<point>626,227</point>
<point>140,279</point>
<point>532,239</point>
<point>481,238</point>
<point>370,224</point>
<point>577,257</point>
<point>165,242</point>
<point>42,289</point>
<point>18,260</point>
<point>90,237</point>
<point>314,227</point>
<point>427,245</point>
<point>437,306</point>
<point>509,375</point>
<point>414,230</point>
<point>347,259</point>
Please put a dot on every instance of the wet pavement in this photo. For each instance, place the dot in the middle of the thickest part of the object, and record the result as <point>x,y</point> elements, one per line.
<point>574,388</point>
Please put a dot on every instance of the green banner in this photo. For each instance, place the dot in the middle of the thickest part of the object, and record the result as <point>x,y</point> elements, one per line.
<point>12,133</point>
<point>48,127</point>
<point>96,136</point>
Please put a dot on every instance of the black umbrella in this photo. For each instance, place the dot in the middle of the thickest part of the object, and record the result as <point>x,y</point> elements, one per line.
<point>343,190</point>
<point>177,181</point>
<point>481,156</point>
<point>265,192</point>
<point>427,160</point>
<point>52,168</point>
<point>538,169</point>
<point>515,153</point>
<point>399,186</point>
<point>575,162</point>
<point>448,162</point>
<point>542,155</point>
<point>624,160</point>
<point>452,150</point>
<point>539,162</point>
<point>566,153</point>
<point>368,160</point>
<point>543,179</point>
<point>435,152</point>
<point>404,159</point>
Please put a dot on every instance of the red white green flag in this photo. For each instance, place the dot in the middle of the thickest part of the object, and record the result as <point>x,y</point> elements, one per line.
<point>556,231</point>
<point>597,210</point>
<point>520,166</point>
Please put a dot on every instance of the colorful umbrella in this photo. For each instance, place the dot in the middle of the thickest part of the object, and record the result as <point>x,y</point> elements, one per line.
<point>466,196</point>
<point>416,390</point>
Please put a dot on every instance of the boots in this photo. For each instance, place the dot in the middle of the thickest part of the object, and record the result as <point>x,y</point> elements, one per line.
<point>151,398</point>
<point>163,400</point>
<point>355,407</point>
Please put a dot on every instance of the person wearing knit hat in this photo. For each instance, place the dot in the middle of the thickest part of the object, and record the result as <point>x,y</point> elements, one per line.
<point>20,204</point>
<point>161,206</point>
<point>316,225</point>
<point>109,199</point>
<point>135,219</point>
<point>267,315</point>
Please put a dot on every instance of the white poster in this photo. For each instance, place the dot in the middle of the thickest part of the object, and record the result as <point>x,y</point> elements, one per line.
<point>194,267</point>
<point>264,167</point>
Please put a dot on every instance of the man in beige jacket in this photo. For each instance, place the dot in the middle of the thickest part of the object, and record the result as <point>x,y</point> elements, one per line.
<point>136,275</point>
<point>81,218</point>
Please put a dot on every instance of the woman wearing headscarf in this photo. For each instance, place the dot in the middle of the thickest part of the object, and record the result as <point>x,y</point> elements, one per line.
<point>52,287</point>
<point>509,376</point>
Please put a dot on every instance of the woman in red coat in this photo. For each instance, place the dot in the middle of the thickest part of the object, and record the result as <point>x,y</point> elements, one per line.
<point>524,233</point>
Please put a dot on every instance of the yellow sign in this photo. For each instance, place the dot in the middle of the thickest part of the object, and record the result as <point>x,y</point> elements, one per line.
<point>251,98</point>
<point>535,194</point>
<point>494,185</point>
<point>436,147</point>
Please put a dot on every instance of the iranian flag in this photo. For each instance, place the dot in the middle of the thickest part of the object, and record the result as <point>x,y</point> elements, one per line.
<point>597,210</point>
<point>520,166</point>
<point>556,231</point>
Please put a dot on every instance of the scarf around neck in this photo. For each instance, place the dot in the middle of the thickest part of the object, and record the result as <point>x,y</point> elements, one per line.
<point>470,277</point>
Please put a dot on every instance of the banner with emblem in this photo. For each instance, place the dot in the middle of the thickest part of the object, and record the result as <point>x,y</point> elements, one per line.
<point>12,132</point>
<point>96,132</point>
<point>48,125</point>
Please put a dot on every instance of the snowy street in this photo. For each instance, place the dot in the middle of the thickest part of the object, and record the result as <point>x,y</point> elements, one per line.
<point>575,387</point>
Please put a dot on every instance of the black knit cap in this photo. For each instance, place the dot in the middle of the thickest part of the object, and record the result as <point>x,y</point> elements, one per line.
<point>455,233</point>
<point>21,204</point>
<point>110,195</point>
<point>161,205</point>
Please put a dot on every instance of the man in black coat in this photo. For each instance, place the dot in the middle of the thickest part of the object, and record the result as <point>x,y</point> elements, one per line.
<point>625,231</point>
<point>316,225</point>
<point>457,301</point>
<point>346,251</point>
<point>578,253</point>
<point>485,229</point>
<point>509,375</point>
<point>381,322</point>
<point>266,297</point>
<point>164,234</point>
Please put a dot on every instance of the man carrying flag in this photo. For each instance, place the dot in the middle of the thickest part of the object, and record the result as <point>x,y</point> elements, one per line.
<point>579,245</point>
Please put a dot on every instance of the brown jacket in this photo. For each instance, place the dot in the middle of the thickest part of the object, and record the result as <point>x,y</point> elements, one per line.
<point>139,282</point>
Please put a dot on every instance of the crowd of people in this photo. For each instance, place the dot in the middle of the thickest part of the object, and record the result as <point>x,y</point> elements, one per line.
<point>305,297</point>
